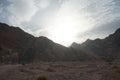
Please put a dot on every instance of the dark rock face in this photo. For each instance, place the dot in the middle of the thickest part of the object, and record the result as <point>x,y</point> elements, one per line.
<point>18,46</point>
<point>108,48</point>
<point>15,39</point>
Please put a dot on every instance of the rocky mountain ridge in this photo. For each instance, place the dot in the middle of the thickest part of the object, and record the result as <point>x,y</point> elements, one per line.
<point>17,46</point>
<point>108,48</point>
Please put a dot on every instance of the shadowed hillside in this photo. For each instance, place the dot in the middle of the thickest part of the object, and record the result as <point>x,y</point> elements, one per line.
<point>17,46</point>
<point>108,49</point>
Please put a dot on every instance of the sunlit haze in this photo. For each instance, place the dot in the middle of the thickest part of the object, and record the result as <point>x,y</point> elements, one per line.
<point>63,21</point>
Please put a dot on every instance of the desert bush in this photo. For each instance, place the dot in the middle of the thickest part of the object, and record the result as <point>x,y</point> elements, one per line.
<point>22,70</point>
<point>118,71</point>
<point>41,78</point>
<point>114,67</point>
<point>50,70</point>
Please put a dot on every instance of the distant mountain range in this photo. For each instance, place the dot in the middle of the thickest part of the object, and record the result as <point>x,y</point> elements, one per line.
<point>17,46</point>
<point>107,49</point>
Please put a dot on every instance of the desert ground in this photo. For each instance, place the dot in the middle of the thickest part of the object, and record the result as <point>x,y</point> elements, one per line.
<point>60,71</point>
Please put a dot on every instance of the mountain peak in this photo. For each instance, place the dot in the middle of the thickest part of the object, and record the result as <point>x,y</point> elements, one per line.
<point>74,45</point>
<point>117,31</point>
<point>25,47</point>
<point>44,38</point>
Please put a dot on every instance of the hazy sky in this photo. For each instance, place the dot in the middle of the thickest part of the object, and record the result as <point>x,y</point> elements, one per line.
<point>63,21</point>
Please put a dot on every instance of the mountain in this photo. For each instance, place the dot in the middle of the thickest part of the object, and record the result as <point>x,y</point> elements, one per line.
<point>15,41</point>
<point>17,46</point>
<point>108,49</point>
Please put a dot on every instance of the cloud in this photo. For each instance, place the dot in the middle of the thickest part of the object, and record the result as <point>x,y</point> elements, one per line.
<point>1,9</point>
<point>106,29</point>
<point>101,31</point>
<point>43,16</point>
<point>43,3</point>
<point>101,11</point>
<point>21,11</point>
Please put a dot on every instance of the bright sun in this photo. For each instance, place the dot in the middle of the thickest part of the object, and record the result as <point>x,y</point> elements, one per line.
<point>64,30</point>
<point>66,27</point>
<point>63,34</point>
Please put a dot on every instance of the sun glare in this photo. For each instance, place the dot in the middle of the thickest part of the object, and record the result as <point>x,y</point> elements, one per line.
<point>66,27</point>
<point>64,34</point>
<point>63,30</point>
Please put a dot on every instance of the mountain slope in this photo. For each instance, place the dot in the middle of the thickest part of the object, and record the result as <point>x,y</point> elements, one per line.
<point>17,46</point>
<point>108,48</point>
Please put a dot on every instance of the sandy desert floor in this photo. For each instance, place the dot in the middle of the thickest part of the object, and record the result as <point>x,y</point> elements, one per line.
<point>60,71</point>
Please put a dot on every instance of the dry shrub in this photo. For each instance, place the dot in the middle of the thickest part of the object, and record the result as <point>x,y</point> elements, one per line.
<point>118,71</point>
<point>22,70</point>
<point>114,67</point>
<point>41,78</point>
<point>50,70</point>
